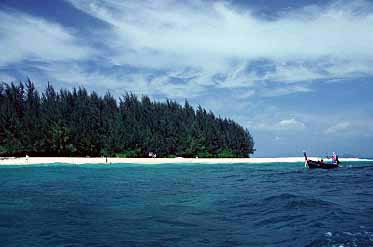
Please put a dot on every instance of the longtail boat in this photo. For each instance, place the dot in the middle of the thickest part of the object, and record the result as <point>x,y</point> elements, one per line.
<point>320,163</point>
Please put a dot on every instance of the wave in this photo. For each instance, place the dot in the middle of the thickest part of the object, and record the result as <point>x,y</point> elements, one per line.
<point>177,223</point>
<point>289,210</point>
<point>290,201</point>
<point>284,202</point>
<point>344,238</point>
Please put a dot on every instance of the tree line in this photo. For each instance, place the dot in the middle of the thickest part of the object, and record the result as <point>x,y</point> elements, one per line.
<point>78,123</point>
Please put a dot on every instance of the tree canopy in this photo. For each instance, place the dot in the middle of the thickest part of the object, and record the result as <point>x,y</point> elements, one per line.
<point>78,123</point>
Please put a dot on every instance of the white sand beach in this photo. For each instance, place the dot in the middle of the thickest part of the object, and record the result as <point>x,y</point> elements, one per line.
<point>102,160</point>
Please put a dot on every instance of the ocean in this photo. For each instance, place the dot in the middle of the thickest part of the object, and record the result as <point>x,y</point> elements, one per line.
<point>186,205</point>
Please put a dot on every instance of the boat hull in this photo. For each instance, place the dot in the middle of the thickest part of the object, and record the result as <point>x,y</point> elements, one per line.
<point>317,164</point>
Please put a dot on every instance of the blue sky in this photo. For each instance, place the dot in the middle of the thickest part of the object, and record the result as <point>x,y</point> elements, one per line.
<point>297,74</point>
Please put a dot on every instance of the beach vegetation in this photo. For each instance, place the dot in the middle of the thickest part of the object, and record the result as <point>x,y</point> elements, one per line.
<point>79,123</point>
<point>131,153</point>
<point>226,153</point>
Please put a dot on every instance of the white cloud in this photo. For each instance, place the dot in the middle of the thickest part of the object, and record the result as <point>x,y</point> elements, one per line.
<point>214,37</point>
<point>144,83</point>
<point>285,90</point>
<point>360,127</point>
<point>291,124</point>
<point>218,29</point>
<point>246,94</point>
<point>26,37</point>
<point>342,126</point>
<point>203,44</point>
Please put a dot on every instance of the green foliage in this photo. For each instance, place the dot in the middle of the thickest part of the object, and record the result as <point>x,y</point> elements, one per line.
<point>131,153</point>
<point>78,123</point>
<point>3,150</point>
<point>204,154</point>
<point>226,153</point>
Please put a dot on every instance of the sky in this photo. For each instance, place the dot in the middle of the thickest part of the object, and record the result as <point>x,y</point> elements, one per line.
<point>297,74</point>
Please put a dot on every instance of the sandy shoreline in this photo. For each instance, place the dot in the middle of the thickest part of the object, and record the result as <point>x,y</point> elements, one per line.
<point>100,160</point>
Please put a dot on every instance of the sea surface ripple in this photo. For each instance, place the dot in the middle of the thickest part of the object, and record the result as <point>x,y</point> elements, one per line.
<point>186,205</point>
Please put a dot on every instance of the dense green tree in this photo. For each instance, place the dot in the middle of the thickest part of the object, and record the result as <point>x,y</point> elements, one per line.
<point>78,123</point>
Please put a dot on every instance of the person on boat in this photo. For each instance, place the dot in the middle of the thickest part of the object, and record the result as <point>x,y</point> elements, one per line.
<point>334,158</point>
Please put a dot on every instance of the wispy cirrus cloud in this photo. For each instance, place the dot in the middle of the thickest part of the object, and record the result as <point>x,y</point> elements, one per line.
<point>312,43</point>
<point>182,49</point>
<point>24,37</point>
<point>117,80</point>
<point>351,127</point>
<point>341,126</point>
<point>218,29</point>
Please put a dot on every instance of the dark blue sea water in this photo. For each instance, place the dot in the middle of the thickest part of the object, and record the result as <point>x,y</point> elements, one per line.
<point>186,205</point>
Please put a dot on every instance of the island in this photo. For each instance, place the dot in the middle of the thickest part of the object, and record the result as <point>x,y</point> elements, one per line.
<point>78,123</point>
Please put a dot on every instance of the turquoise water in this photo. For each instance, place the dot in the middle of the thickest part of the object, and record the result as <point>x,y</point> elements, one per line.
<point>186,205</point>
